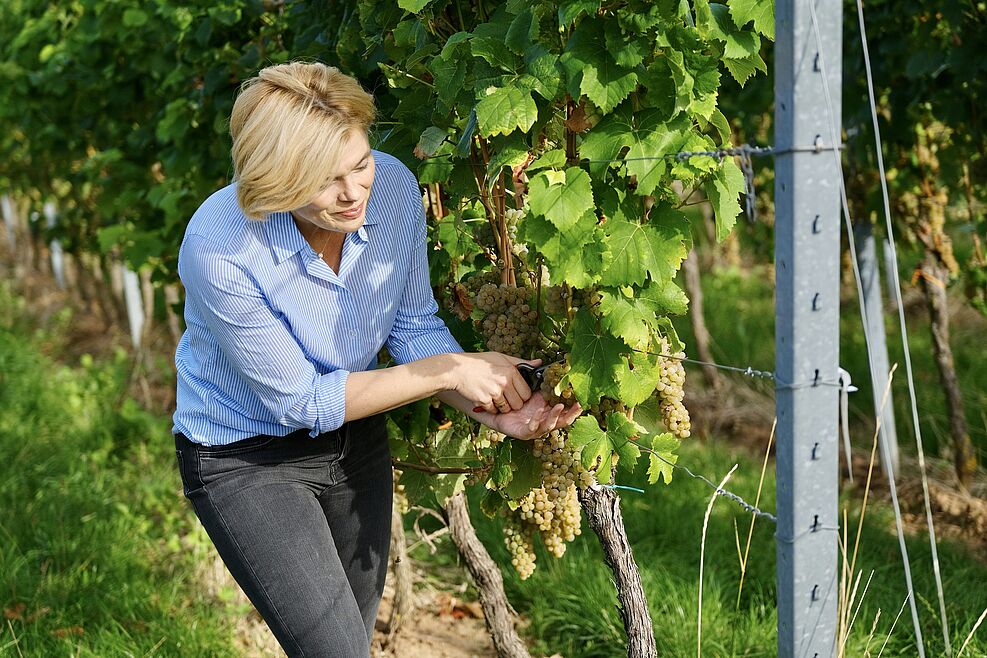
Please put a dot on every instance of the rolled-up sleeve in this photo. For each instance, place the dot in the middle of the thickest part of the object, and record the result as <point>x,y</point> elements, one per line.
<point>257,343</point>
<point>418,332</point>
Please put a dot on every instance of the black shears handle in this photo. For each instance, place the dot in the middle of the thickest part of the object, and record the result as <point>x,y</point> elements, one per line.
<point>533,375</point>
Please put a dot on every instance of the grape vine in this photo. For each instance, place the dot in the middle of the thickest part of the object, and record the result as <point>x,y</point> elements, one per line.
<point>543,133</point>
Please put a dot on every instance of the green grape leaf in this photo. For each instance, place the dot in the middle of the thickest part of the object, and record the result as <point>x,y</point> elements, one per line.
<point>629,50</point>
<point>542,65</point>
<point>592,71</point>
<point>648,138</point>
<point>501,473</point>
<point>449,72</point>
<point>743,69</point>
<point>554,159</point>
<point>626,318</point>
<point>491,503</point>
<point>511,152</point>
<point>662,458</point>
<point>522,32</point>
<point>645,158</point>
<point>637,251</point>
<point>563,201</point>
<point>597,447</point>
<point>739,44</point>
<point>647,414</point>
<point>596,359</point>
<point>575,256</point>
<point>638,384</point>
<point>413,6</point>
<point>527,470</point>
<point>718,121</point>
<point>667,329</point>
<point>606,83</point>
<point>417,486</point>
<point>503,109</point>
<point>663,298</point>
<point>573,9</point>
<point>430,141</point>
<point>618,426</point>
<point>761,12</point>
<point>723,191</point>
<point>492,50</point>
<point>447,485</point>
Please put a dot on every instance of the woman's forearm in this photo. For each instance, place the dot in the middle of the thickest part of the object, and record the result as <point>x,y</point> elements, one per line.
<point>374,391</point>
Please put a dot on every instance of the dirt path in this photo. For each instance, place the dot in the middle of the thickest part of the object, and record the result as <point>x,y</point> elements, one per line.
<point>444,624</point>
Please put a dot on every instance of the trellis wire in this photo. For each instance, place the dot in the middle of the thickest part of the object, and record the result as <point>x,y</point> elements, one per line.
<point>749,371</point>
<point>722,492</point>
<point>867,339</point>
<point>901,321</point>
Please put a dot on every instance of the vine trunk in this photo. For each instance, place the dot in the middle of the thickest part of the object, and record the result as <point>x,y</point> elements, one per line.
<point>497,612</point>
<point>602,507</point>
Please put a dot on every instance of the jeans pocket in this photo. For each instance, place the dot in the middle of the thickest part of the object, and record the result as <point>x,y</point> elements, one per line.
<point>188,473</point>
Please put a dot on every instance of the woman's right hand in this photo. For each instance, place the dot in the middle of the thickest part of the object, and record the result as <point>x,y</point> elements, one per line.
<point>491,380</point>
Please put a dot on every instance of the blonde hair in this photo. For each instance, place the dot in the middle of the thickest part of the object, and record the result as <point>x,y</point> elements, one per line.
<point>289,125</point>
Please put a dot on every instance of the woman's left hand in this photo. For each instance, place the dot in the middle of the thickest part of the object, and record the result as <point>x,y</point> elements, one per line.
<point>535,418</point>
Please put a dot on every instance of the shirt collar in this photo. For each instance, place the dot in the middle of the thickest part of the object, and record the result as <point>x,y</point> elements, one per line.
<point>286,240</point>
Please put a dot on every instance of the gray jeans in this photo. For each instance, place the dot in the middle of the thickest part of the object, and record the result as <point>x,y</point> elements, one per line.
<point>304,526</point>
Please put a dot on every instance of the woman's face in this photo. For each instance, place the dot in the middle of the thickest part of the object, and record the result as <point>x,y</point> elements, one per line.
<point>342,205</point>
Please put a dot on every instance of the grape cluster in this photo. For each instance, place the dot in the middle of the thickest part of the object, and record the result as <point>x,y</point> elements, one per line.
<point>522,549</point>
<point>552,509</point>
<point>605,407</point>
<point>550,383</point>
<point>510,323</point>
<point>671,392</point>
<point>487,437</point>
<point>556,300</point>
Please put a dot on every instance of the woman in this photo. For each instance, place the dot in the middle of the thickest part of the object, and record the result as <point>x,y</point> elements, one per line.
<point>296,275</point>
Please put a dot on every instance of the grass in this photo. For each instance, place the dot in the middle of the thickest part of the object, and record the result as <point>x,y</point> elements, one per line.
<point>98,550</point>
<point>571,603</point>
<point>740,316</point>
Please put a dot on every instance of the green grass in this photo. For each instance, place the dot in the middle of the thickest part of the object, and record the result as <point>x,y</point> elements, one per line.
<point>740,316</point>
<point>98,549</point>
<point>570,604</point>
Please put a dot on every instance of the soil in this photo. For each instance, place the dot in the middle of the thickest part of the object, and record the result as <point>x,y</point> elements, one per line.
<point>444,624</point>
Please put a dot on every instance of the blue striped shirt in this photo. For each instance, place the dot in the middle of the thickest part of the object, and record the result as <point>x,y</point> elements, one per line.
<point>272,332</point>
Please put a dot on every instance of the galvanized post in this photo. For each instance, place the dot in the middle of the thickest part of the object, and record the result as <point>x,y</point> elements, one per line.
<point>807,261</point>
<point>135,306</point>
<point>57,261</point>
<point>870,281</point>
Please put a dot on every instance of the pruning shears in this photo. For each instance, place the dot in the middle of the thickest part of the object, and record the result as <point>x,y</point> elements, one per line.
<point>533,375</point>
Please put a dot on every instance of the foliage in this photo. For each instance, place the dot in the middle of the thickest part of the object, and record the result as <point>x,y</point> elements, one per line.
<point>930,79</point>
<point>118,111</point>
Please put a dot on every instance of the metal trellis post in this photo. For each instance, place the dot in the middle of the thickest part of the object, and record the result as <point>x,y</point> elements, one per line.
<point>57,260</point>
<point>807,262</point>
<point>870,279</point>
